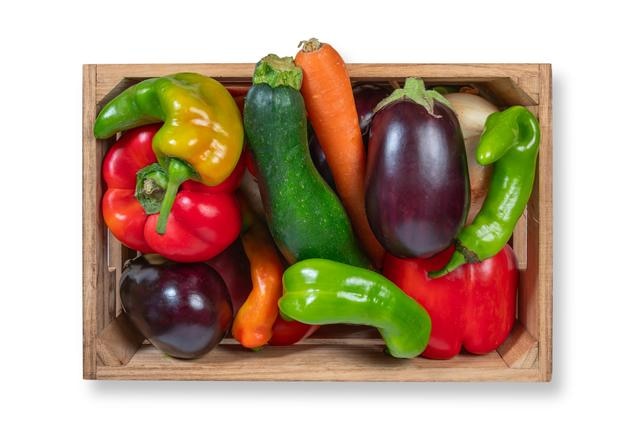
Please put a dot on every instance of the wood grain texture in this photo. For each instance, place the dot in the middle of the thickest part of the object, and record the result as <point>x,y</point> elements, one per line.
<point>313,363</point>
<point>92,250</point>
<point>338,353</point>
<point>544,278</point>
<point>528,286</point>
<point>520,241</point>
<point>109,76</point>
<point>520,349</point>
<point>118,342</point>
<point>535,291</point>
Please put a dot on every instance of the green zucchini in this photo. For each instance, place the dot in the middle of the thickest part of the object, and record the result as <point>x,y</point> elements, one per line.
<point>305,217</point>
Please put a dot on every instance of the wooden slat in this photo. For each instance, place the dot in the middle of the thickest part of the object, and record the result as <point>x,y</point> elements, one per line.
<point>520,242</point>
<point>313,363</point>
<point>109,76</point>
<point>92,248</point>
<point>118,254</point>
<point>118,342</point>
<point>527,292</point>
<point>544,278</point>
<point>345,334</point>
<point>506,92</point>
<point>99,286</point>
<point>520,349</point>
<point>535,291</point>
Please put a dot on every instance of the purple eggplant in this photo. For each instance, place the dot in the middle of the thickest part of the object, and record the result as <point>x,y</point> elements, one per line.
<point>417,183</point>
<point>366,97</point>
<point>319,159</point>
<point>233,266</point>
<point>183,309</point>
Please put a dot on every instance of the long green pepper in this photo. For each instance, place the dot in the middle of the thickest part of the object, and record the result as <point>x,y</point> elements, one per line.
<point>510,141</point>
<point>320,291</point>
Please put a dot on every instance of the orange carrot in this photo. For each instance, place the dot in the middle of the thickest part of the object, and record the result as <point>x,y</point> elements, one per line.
<point>328,98</point>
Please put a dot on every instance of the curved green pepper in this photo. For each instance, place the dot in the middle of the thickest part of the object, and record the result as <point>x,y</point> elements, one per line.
<point>320,291</point>
<point>510,140</point>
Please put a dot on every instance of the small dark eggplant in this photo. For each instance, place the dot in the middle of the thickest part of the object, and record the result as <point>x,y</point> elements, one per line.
<point>319,159</point>
<point>233,266</point>
<point>366,97</point>
<point>417,186</point>
<point>183,309</point>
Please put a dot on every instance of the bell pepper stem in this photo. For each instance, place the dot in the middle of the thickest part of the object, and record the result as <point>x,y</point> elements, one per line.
<point>455,262</point>
<point>177,172</point>
<point>150,187</point>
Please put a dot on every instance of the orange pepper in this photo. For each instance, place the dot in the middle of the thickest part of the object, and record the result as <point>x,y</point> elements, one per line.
<point>253,323</point>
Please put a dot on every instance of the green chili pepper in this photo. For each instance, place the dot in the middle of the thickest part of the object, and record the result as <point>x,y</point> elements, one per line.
<point>320,291</point>
<point>510,141</point>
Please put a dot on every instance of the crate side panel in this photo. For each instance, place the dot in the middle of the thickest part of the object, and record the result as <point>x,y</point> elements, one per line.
<point>110,76</point>
<point>545,276</point>
<point>313,363</point>
<point>535,292</point>
<point>94,256</point>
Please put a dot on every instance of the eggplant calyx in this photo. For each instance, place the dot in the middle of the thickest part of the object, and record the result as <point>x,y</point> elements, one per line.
<point>415,90</point>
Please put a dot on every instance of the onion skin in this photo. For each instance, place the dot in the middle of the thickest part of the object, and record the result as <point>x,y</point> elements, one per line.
<point>472,112</point>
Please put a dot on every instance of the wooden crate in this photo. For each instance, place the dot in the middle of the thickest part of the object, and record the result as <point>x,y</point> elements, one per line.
<point>113,350</point>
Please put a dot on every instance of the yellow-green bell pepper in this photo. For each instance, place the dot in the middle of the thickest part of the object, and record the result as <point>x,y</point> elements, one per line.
<point>202,134</point>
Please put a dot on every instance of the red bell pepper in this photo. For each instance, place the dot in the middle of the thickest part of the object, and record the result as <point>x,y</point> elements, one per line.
<point>290,332</point>
<point>203,222</point>
<point>472,307</point>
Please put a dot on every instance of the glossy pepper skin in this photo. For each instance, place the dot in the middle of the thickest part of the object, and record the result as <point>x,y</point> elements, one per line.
<point>253,323</point>
<point>286,332</point>
<point>202,134</point>
<point>319,291</point>
<point>510,141</point>
<point>204,220</point>
<point>257,322</point>
<point>472,307</point>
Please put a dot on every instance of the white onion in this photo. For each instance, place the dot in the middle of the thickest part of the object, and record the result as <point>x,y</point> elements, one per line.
<point>472,112</point>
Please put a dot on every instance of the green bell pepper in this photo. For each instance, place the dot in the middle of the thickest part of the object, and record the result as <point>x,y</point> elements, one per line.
<point>510,141</point>
<point>320,291</point>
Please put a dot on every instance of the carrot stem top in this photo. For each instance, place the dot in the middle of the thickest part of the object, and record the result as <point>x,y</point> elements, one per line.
<point>310,45</point>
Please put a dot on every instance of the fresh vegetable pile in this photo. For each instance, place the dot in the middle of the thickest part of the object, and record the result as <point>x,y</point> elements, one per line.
<point>315,201</point>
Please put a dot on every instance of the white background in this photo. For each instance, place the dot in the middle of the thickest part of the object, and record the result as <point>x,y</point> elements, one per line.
<point>42,49</point>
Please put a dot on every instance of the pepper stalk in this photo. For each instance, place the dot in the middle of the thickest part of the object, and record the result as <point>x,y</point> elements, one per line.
<point>156,189</point>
